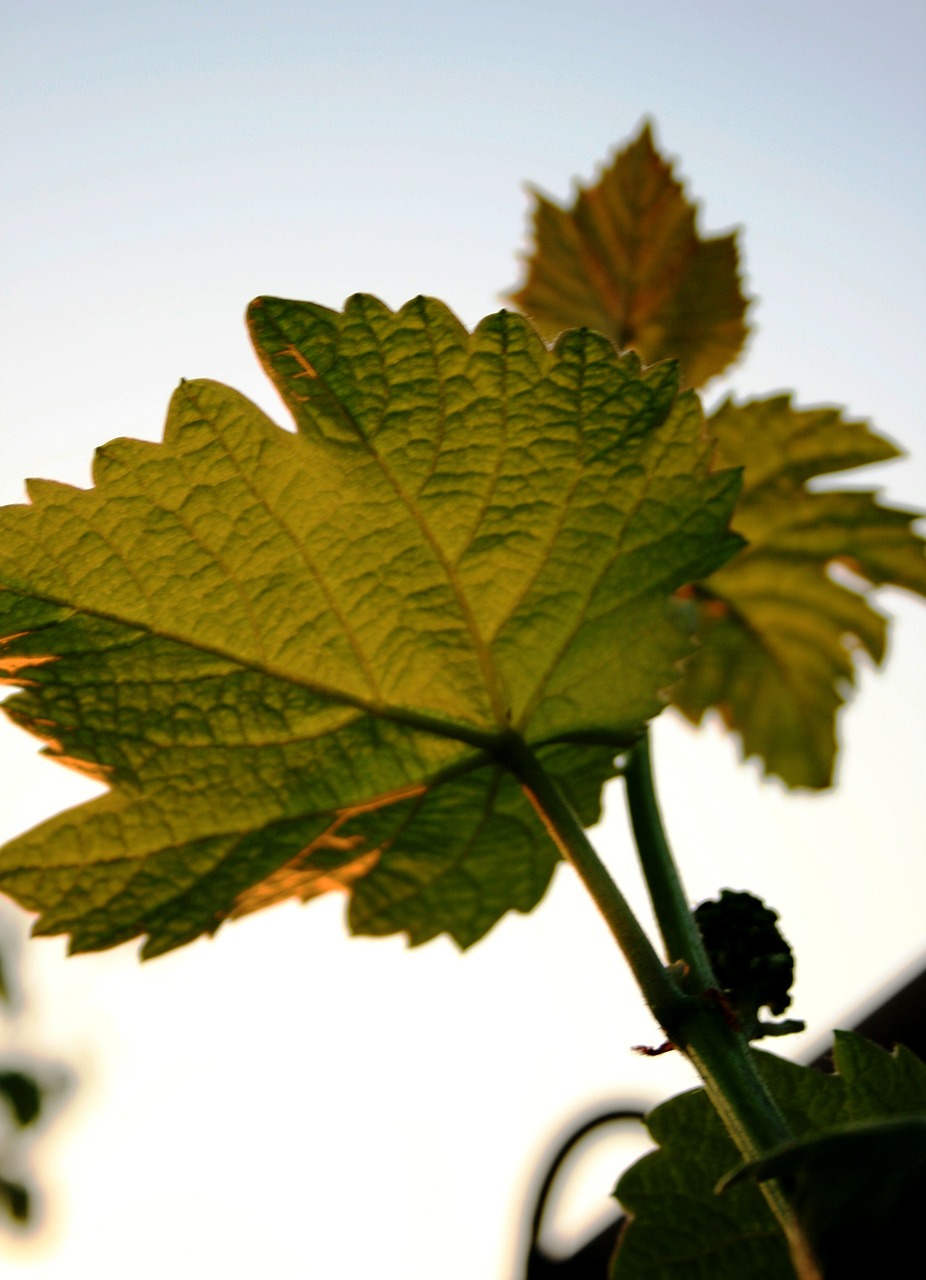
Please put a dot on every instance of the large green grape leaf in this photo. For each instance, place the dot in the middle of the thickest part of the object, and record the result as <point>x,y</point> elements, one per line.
<point>679,1225</point>
<point>778,632</point>
<point>627,259</point>
<point>294,656</point>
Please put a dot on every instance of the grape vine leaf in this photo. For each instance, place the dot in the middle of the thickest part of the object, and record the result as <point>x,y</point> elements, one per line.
<point>867,1174</point>
<point>293,656</point>
<point>626,259</point>
<point>678,1222</point>
<point>778,632</point>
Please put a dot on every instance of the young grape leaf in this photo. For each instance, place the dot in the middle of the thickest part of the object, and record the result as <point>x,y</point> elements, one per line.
<point>295,658</point>
<point>777,629</point>
<point>680,1225</point>
<point>627,260</point>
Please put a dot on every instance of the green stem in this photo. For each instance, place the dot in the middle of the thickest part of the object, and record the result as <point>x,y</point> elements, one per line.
<point>694,1022</point>
<point>659,987</point>
<point>719,1053</point>
<point>677,925</point>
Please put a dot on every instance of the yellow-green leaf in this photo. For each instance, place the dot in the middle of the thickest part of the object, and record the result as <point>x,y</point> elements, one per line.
<point>627,259</point>
<point>779,626</point>
<point>295,656</point>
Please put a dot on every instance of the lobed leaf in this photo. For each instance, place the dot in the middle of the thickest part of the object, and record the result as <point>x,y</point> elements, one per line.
<point>627,259</point>
<point>779,632</point>
<point>293,657</point>
<point>680,1225</point>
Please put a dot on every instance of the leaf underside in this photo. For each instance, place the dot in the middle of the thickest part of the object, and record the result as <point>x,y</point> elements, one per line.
<point>779,630</point>
<point>626,259</point>
<point>679,1225</point>
<point>292,655</point>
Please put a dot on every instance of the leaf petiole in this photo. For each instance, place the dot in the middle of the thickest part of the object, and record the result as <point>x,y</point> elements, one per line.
<point>718,1051</point>
<point>680,934</point>
<point>658,984</point>
<point>696,1024</point>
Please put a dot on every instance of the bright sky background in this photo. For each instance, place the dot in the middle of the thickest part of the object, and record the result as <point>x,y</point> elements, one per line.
<point>281,1101</point>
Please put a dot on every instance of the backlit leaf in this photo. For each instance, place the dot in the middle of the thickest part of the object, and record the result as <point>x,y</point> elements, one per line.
<point>778,630</point>
<point>294,657</point>
<point>627,259</point>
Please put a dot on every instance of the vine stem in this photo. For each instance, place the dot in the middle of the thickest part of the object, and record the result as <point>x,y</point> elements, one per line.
<point>680,934</point>
<point>683,998</point>
<point>659,985</point>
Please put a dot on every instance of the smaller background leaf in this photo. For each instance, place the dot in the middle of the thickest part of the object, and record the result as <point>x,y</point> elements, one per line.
<point>779,632</point>
<point>627,259</point>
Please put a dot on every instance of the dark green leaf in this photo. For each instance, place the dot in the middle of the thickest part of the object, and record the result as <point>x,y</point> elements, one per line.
<point>680,1226</point>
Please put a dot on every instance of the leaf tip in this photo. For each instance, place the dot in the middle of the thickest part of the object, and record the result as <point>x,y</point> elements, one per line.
<point>646,132</point>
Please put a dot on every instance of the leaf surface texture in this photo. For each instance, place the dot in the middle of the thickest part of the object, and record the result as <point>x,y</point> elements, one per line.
<point>293,655</point>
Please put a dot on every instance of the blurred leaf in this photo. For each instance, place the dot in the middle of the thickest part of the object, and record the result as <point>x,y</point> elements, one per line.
<point>23,1094</point>
<point>680,1226</point>
<point>627,260</point>
<point>296,658</point>
<point>778,631</point>
<point>17,1200</point>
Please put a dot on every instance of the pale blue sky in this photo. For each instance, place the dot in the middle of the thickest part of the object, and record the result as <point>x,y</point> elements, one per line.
<point>282,1101</point>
